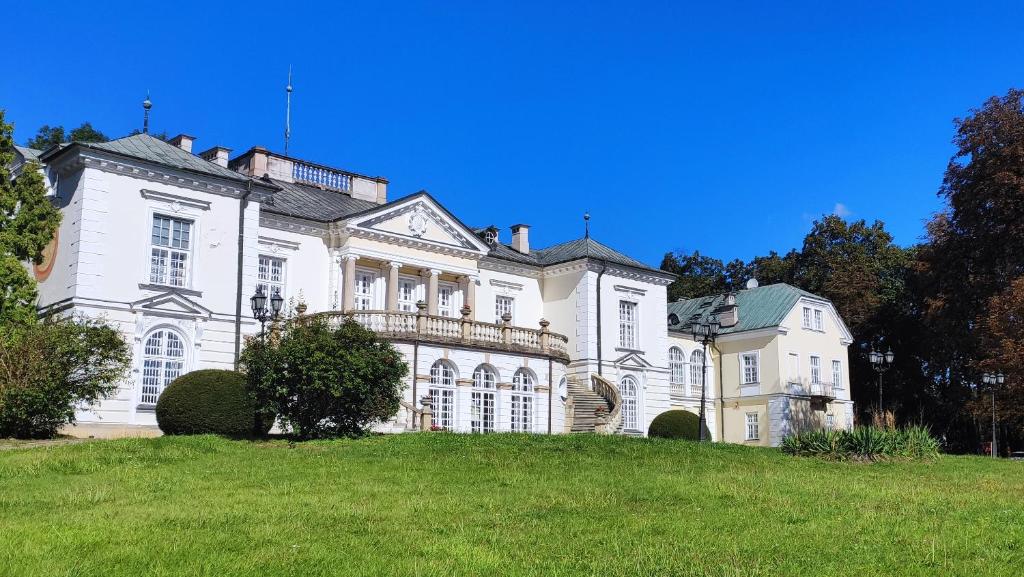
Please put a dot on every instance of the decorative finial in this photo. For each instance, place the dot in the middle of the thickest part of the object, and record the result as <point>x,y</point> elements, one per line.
<point>146,104</point>
<point>586,223</point>
<point>288,112</point>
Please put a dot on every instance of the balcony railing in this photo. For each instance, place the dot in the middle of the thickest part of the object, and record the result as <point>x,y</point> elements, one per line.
<point>462,331</point>
<point>817,391</point>
<point>684,390</point>
<point>324,177</point>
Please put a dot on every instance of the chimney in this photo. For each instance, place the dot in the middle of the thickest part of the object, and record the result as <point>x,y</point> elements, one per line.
<point>259,162</point>
<point>216,155</point>
<point>521,238</point>
<point>728,312</point>
<point>183,141</point>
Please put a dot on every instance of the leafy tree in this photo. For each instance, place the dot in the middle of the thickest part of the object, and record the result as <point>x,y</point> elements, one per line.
<point>698,275</point>
<point>51,135</point>
<point>49,368</point>
<point>28,222</point>
<point>324,381</point>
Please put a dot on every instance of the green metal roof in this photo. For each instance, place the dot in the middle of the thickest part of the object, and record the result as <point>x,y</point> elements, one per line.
<point>759,308</point>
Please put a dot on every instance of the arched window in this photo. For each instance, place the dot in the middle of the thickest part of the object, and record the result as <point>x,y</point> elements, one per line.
<point>482,411</point>
<point>163,360</point>
<point>630,400</point>
<point>677,368</point>
<point>696,370</point>
<point>442,394</point>
<point>522,401</point>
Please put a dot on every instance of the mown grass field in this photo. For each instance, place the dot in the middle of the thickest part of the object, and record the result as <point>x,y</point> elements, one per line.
<point>440,504</point>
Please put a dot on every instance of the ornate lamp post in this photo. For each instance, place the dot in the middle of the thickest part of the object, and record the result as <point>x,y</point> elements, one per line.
<point>993,380</point>
<point>881,363</point>
<point>704,332</point>
<point>261,312</point>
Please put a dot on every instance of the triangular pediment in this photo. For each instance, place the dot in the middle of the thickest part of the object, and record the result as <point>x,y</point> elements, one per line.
<point>632,360</point>
<point>171,303</point>
<point>418,219</point>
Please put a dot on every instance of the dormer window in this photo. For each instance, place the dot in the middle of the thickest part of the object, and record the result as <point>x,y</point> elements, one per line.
<point>491,235</point>
<point>673,319</point>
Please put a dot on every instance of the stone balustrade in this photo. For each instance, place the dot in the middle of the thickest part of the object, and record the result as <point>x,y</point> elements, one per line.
<point>424,327</point>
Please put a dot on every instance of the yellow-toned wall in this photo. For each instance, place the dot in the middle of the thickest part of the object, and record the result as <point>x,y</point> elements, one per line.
<point>735,421</point>
<point>728,351</point>
<point>827,344</point>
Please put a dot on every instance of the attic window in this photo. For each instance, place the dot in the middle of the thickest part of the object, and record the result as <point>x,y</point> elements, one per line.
<point>673,319</point>
<point>706,304</point>
<point>491,236</point>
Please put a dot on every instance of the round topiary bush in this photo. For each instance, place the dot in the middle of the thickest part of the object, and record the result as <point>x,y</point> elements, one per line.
<point>209,401</point>
<point>677,425</point>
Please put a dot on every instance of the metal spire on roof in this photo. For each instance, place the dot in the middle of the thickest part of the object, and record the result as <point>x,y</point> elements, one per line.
<point>586,223</point>
<point>288,112</point>
<point>146,105</point>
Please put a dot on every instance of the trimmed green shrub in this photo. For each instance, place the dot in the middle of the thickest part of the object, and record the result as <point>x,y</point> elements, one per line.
<point>864,443</point>
<point>677,425</point>
<point>209,401</point>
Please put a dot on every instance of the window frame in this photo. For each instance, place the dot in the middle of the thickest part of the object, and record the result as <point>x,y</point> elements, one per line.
<point>793,363</point>
<point>697,375</point>
<point>629,327</point>
<point>756,355</point>
<point>190,253</point>
<point>677,368</point>
<point>837,373</point>
<point>500,310</point>
<point>806,315</point>
<point>522,401</point>
<point>371,294</point>
<point>165,376</point>
<point>752,429</point>
<point>819,320</point>
<point>482,389</point>
<point>815,379</point>
<point>282,284</point>
<point>404,305</point>
<point>449,310</point>
<point>630,403</point>
<point>442,393</point>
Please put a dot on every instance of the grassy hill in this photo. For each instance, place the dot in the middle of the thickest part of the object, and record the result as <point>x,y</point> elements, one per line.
<point>440,504</point>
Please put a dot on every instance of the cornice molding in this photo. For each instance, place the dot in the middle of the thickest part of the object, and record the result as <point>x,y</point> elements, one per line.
<point>115,164</point>
<point>174,199</point>
<point>292,224</point>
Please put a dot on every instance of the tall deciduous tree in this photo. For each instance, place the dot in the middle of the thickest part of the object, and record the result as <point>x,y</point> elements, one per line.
<point>28,221</point>
<point>48,136</point>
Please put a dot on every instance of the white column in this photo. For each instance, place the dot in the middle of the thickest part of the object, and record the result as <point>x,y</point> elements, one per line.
<point>348,296</point>
<point>392,288</point>
<point>432,291</point>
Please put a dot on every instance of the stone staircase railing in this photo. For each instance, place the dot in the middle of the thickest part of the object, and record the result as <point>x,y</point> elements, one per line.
<point>610,393</point>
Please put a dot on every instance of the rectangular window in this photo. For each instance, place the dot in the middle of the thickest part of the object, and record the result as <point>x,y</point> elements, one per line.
<point>170,251</point>
<point>407,295</point>
<point>794,368</point>
<point>819,320</point>
<point>445,300</point>
<point>627,325</point>
<point>503,305</point>
<point>815,370</point>
<point>481,419</point>
<point>807,318</point>
<point>271,276</point>
<point>751,370</point>
<point>830,422</point>
<point>837,374</point>
<point>364,283</point>
<point>443,405</point>
<point>753,433</point>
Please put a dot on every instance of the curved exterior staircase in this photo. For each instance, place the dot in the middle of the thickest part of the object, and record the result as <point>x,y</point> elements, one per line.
<point>597,408</point>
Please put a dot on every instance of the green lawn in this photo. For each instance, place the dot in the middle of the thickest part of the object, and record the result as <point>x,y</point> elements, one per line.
<point>439,504</point>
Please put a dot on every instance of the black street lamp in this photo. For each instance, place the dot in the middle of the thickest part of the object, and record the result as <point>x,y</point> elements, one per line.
<point>881,363</point>
<point>261,312</point>
<point>993,380</point>
<point>705,332</point>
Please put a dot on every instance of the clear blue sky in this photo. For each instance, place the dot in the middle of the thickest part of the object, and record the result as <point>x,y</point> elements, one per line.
<point>722,126</point>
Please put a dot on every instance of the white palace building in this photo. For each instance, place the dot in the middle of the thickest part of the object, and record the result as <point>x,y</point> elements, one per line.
<point>169,245</point>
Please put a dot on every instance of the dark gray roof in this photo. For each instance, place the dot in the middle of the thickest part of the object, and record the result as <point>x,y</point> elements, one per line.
<point>312,203</point>
<point>568,251</point>
<point>758,308</point>
<point>146,147</point>
<point>28,153</point>
<point>586,248</point>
